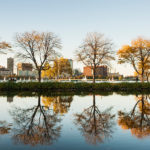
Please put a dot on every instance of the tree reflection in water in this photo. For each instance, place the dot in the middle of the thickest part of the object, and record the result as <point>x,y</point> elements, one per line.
<point>94,124</point>
<point>138,120</point>
<point>5,128</point>
<point>37,125</point>
<point>59,104</point>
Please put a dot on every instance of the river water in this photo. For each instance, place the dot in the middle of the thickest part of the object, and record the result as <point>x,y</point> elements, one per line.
<point>108,121</point>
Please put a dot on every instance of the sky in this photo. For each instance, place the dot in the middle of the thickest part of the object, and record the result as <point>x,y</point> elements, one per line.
<point>120,20</point>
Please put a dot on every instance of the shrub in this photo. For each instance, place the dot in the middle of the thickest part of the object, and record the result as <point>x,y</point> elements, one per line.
<point>75,87</point>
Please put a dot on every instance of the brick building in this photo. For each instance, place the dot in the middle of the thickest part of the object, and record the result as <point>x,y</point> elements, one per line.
<point>26,70</point>
<point>100,71</point>
<point>24,66</point>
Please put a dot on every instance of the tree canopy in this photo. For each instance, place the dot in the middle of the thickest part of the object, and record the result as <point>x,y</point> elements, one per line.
<point>38,47</point>
<point>4,46</point>
<point>95,50</point>
<point>61,67</point>
<point>137,54</point>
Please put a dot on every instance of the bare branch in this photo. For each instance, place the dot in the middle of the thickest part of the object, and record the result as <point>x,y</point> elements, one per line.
<point>37,47</point>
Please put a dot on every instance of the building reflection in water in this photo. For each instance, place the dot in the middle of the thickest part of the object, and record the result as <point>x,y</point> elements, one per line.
<point>95,125</point>
<point>9,99</point>
<point>137,120</point>
<point>39,124</point>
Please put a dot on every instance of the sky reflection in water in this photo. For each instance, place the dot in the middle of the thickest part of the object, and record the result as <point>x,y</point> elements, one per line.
<point>95,122</point>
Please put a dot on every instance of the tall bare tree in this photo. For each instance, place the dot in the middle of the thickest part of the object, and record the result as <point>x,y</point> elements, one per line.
<point>95,50</point>
<point>38,47</point>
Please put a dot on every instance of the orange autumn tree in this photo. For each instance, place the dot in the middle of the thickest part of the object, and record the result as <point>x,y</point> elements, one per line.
<point>137,54</point>
<point>146,69</point>
<point>4,46</point>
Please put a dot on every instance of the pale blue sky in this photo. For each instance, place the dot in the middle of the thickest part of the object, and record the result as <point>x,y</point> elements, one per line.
<point>120,20</point>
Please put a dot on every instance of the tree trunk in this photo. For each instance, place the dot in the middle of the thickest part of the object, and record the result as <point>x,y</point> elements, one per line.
<point>94,73</point>
<point>94,65</point>
<point>143,72</point>
<point>142,114</point>
<point>147,76</point>
<point>142,77</point>
<point>39,101</point>
<point>94,111</point>
<point>39,73</point>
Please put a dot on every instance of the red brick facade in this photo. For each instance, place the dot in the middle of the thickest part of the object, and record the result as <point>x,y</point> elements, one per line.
<point>100,71</point>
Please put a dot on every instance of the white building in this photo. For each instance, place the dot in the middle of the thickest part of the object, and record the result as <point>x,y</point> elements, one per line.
<point>27,73</point>
<point>71,63</point>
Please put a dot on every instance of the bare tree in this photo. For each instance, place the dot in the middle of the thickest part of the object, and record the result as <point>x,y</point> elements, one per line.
<point>94,51</point>
<point>38,48</point>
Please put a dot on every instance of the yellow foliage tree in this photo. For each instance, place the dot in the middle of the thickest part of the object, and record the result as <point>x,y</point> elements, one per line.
<point>47,71</point>
<point>62,68</point>
<point>137,54</point>
<point>146,70</point>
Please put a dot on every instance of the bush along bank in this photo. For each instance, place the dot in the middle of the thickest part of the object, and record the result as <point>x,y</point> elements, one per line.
<point>75,87</point>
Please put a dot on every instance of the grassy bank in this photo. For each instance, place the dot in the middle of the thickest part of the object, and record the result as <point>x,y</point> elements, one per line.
<point>74,87</point>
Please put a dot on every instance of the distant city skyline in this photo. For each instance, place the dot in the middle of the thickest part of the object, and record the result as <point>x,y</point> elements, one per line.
<point>119,20</point>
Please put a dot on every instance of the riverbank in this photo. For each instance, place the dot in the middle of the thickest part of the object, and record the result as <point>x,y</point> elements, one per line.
<point>74,87</point>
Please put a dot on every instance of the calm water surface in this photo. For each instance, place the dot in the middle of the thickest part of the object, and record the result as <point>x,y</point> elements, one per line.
<point>92,122</point>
